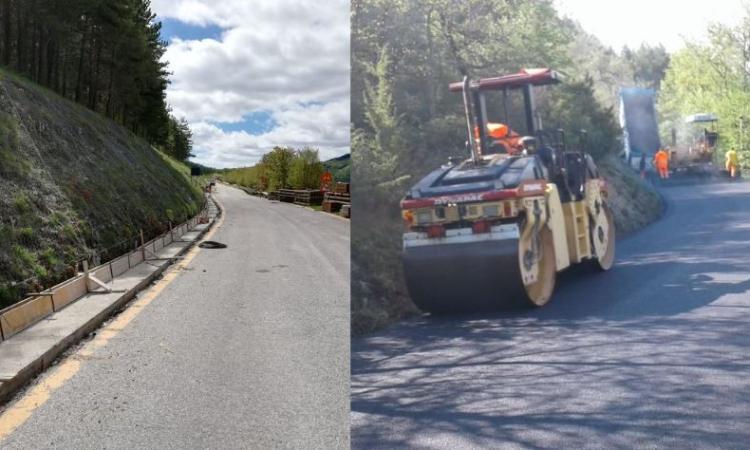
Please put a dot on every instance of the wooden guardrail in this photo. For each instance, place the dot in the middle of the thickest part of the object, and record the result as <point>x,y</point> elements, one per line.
<point>305,197</point>
<point>338,201</point>
<point>38,306</point>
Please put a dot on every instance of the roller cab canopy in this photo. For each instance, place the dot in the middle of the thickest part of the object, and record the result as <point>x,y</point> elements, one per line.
<point>526,77</point>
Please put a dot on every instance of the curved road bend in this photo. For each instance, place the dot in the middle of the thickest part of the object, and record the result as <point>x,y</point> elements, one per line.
<point>653,354</point>
<point>247,348</point>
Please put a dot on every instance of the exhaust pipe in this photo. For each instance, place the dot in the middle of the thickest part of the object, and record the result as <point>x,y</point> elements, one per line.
<point>470,129</point>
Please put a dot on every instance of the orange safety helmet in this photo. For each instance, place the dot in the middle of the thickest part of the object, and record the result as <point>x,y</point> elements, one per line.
<point>494,130</point>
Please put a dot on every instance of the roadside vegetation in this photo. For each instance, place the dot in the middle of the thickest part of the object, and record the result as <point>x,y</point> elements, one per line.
<point>405,122</point>
<point>712,76</point>
<point>75,185</point>
<point>89,152</point>
<point>280,168</point>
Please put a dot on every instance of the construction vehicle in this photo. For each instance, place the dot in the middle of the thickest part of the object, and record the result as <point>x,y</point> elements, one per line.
<point>640,128</point>
<point>494,230</point>
<point>695,155</point>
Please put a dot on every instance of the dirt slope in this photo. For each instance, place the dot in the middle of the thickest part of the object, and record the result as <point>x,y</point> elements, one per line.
<point>73,184</point>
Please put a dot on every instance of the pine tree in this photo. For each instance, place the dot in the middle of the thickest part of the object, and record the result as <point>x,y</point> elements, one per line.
<point>105,54</point>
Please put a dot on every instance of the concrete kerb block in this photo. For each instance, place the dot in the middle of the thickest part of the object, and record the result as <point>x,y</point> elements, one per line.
<point>64,293</point>
<point>27,313</point>
<point>9,386</point>
<point>68,292</point>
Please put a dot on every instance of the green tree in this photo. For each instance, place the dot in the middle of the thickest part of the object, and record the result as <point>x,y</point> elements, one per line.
<point>649,64</point>
<point>277,164</point>
<point>375,149</point>
<point>563,111</point>
<point>106,55</point>
<point>711,77</point>
<point>179,142</point>
<point>306,170</point>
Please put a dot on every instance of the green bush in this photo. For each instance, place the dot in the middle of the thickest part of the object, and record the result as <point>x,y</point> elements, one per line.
<point>26,235</point>
<point>22,204</point>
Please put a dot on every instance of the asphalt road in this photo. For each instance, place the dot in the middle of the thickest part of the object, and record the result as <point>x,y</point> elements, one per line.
<point>653,354</point>
<point>247,348</point>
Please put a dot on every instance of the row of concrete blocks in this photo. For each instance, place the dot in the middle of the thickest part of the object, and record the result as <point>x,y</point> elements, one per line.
<point>31,310</point>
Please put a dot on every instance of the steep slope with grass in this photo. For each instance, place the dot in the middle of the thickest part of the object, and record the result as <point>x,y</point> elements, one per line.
<point>73,185</point>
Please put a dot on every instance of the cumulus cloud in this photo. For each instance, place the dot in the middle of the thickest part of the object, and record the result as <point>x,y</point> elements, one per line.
<point>287,58</point>
<point>319,126</point>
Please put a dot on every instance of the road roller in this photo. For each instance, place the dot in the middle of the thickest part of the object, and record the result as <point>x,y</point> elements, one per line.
<point>493,230</point>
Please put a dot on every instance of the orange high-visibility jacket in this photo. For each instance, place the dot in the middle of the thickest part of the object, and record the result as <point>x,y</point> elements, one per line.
<point>661,159</point>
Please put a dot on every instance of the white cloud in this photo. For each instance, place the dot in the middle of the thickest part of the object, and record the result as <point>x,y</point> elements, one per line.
<point>290,58</point>
<point>321,126</point>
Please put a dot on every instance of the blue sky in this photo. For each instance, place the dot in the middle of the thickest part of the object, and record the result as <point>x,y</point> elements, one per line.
<point>246,87</point>
<point>173,28</point>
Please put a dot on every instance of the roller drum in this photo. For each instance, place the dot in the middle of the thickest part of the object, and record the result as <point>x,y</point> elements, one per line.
<point>468,277</point>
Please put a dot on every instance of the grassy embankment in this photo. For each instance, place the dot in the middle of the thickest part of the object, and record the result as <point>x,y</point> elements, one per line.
<point>74,184</point>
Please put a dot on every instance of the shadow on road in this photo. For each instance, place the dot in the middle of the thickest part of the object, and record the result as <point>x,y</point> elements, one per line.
<point>652,353</point>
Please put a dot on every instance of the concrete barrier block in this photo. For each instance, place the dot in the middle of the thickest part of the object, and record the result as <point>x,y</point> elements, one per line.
<point>67,293</point>
<point>150,247</point>
<point>103,274</point>
<point>136,258</point>
<point>120,265</point>
<point>25,314</point>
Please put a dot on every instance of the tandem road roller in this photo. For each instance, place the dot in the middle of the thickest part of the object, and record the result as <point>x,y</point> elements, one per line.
<point>492,231</point>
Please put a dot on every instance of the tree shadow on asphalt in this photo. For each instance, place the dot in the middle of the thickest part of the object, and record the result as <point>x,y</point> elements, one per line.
<point>485,383</point>
<point>652,353</point>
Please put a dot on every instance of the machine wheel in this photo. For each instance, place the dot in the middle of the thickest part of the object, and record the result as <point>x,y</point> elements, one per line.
<point>540,291</point>
<point>607,260</point>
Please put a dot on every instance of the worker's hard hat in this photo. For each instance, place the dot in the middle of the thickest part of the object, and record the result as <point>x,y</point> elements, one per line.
<point>497,130</point>
<point>494,130</point>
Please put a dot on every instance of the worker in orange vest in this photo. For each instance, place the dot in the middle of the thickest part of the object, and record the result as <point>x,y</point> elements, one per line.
<point>501,134</point>
<point>661,161</point>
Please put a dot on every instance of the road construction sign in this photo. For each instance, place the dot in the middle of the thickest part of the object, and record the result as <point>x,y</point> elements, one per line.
<point>326,179</point>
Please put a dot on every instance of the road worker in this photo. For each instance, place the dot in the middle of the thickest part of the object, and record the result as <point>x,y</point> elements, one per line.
<point>732,162</point>
<point>661,161</point>
<point>501,139</point>
<point>497,130</point>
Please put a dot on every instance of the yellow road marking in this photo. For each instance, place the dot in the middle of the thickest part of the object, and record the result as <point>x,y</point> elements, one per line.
<point>24,407</point>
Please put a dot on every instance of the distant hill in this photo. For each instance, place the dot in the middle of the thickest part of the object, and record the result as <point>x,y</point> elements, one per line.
<point>340,167</point>
<point>205,170</point>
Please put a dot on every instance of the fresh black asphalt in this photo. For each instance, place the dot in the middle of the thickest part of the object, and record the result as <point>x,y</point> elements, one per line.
<point>653,354</point>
